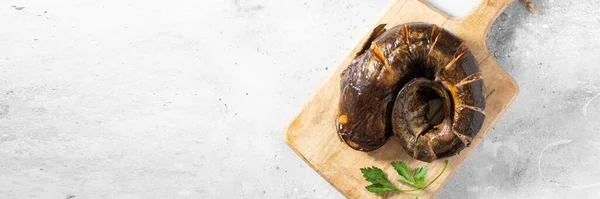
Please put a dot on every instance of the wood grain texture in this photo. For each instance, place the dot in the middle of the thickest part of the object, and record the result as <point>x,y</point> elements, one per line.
<point>312,134</point>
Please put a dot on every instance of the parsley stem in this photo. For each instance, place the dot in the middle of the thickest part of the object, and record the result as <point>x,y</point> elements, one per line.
<point>405,191</point>
<point>434,179</point>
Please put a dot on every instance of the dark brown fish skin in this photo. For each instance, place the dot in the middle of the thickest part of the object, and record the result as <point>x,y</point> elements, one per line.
<point>423,141</point>
<point>367,103</point>
<point>381,92</point>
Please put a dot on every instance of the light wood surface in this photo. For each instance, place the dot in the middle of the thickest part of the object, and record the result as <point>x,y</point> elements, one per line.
<point>312,134</point>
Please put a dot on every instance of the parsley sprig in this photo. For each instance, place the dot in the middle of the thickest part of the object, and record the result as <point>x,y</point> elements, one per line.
<point>381,184</point>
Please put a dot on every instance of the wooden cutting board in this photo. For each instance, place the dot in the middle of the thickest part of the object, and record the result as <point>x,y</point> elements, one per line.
<point>312,133</point>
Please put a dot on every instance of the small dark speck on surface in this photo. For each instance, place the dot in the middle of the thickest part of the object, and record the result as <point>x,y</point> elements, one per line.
<point>70,196</point>
<point>18,8</point>
<point>264,191</point>
<point>277,168</point>
<point>488,95</point>
<point>45,12</point>
<point>326,68</point>
<point>246,93</point>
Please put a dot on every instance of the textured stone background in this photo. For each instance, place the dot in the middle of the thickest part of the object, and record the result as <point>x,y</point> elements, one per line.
<point>187,99</point>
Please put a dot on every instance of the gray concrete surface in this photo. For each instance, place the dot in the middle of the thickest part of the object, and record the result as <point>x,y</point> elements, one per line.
<point>187,99</point>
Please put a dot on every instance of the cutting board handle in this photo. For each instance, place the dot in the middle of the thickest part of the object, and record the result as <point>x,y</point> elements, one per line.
<point>484,14</point>
<point>474,26</point>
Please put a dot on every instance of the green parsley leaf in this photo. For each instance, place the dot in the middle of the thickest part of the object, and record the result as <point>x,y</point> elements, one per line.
<point>419,175</point>
<point>378,188</point>
<point>374,175</point>
<point>403,171</point>
<point>420,172</point>
<point>434,179</point>
<point>419,182</point>
<point>377,177</point>
<point>405,181</point>
<point>381,184</point>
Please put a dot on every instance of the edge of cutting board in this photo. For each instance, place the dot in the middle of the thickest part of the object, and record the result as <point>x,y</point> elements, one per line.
<point>310,115</point>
